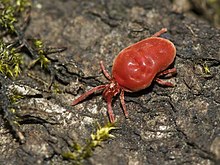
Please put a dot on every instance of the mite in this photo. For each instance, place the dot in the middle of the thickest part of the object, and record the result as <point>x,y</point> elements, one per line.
<point>135,68</point>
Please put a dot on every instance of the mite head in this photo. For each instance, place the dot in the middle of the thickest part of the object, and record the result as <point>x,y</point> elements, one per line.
<point>109,91</point>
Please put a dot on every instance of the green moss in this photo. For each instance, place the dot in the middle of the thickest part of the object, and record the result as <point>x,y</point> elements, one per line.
<point>206,69</point>
<point>10,60</point>
<point>10,11</point>
<point>55,88</point>
<point>10,57</point>
<point>82,152</point>
<point>8,19</point>
<point>42,59</point>
<point>21,5</point>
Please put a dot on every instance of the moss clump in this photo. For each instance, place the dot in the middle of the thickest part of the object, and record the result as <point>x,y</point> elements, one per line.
<point>206,68</point>
<point>82,152</point>
<point>42,59</point>
<point>10,11</point>
<point>10,60</point>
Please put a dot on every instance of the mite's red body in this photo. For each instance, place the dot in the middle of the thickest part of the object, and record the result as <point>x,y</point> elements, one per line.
<point>137,65</point>
<point>135,68</point>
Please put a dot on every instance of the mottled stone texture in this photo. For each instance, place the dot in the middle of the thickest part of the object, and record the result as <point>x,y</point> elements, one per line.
<point>166,126</point>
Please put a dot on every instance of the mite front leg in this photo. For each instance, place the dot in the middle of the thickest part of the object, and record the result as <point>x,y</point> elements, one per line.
<point>86,94</point>
<point>105,71</point>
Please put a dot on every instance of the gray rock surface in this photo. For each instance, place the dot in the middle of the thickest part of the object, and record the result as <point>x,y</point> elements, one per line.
<point>179,125</point>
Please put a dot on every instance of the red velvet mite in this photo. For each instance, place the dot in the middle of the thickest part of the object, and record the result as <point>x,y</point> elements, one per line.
<point>135,68</point>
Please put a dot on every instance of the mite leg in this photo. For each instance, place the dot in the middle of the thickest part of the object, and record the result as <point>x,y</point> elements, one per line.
<point>163,30</point>
<point>110,111</point>
<point>167,73</point>
<point>123,103</point>
<point>105,71</point>
<point>85,95</point>
<point>164,83</point>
